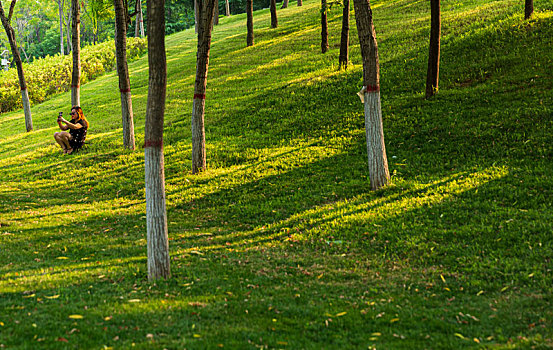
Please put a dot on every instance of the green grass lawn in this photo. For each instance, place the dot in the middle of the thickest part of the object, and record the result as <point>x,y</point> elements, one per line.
<point>280,244</point>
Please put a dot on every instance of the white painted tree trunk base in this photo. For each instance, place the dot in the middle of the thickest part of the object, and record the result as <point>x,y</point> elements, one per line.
<point>156,214</point>
<point>27,109</point>
<point>376,150</point>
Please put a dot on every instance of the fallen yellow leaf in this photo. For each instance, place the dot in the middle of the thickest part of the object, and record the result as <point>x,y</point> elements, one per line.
<point>76,317</point>
<point>480,292</point>
<point>376,334</point>
<point>341,314</point>
<point>52,297</point>
<point>443,279</point>
<point>29,296</point>
<point>476,340</point>
<point>459,335</point>
<point>62,258</point>
<point>394,320</point>
<point>197,336</point>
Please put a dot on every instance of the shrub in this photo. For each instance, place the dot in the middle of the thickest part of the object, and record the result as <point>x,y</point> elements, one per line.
<point>52,74</point>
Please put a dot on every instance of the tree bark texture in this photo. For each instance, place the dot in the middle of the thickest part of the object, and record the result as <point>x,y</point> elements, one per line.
<point>433,72</point>
<point>249,22</point>
<point>60,11</point>
<point>123,73</point>
<point>68,30</point>
<point>227,8</point>
<point>156,212</point>
<point>205,26</point>
<point>300,2</point>
<point>376,149</point>
<point>76,43</point>
<point>528,8</point>
<point>216,13</point>
<point>378,163</point>
<point>284,4</point>
<point>10,33</point>
<point>274,19</point>
<point>343,59</point>
<point>324,27</point>
<point>139,27</point>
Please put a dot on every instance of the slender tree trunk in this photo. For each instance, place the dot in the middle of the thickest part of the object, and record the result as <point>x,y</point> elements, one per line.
<point>227,8</point>
<point>324,28</point>
<point>205,26</point>
<point>434,50</point>
<point>378,163</point>
<point>196,15</point>
<point>343,59</point>
<point>249,22</point>
<point>123,73</point>
<point>274,19</point>
<point>76,40</point>
<point>68,31</point>
<point>284,4</point>
<point>216,13</point>
<point>10,33</point>
<point>60,9</point>
<point>528,8</point>
<point>300,2</point>
<point>156,212</point>
<point>139,27</point>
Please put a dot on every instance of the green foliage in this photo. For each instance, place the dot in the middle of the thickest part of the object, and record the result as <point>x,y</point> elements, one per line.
<point>281,244</point>
<point>52,74</point>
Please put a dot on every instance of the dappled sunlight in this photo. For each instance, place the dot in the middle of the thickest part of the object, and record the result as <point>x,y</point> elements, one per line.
<point>324,222</point>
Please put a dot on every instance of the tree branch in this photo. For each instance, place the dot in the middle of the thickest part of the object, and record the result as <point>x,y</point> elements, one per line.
<point>12,6</point>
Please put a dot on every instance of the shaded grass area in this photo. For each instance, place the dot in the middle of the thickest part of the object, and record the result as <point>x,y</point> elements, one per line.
<point>281,244</point>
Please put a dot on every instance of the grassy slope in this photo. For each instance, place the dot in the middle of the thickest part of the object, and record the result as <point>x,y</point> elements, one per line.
<point>280,243</point>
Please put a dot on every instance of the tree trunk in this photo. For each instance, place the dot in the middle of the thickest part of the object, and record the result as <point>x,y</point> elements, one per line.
<point>227,8</point>
<point>205,26</point>
<point>216,13</point>
<point>378,163</point>
<point>68,31</point>
<point>284,4</point>
<point>76,43</point>
<point>123,73</point>
<point>60,10</point>
<point>139,26</point>
<point>324,28</point>
<point>300,2</point>
<point>343,59</point>
<point>156,212</point>
<point>528,8</point>
<point>249,22</point>
<point>10,33</point>
<point>434,49</point>
<point>196,15</point>
<point>274,19</point>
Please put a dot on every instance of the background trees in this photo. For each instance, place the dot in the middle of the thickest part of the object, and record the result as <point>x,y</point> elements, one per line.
<point>76,44</point>
<point>434,49</point>
<point>6,22</point>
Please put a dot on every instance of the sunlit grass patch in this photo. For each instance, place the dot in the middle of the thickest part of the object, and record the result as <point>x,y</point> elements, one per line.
<point>280,243</point>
